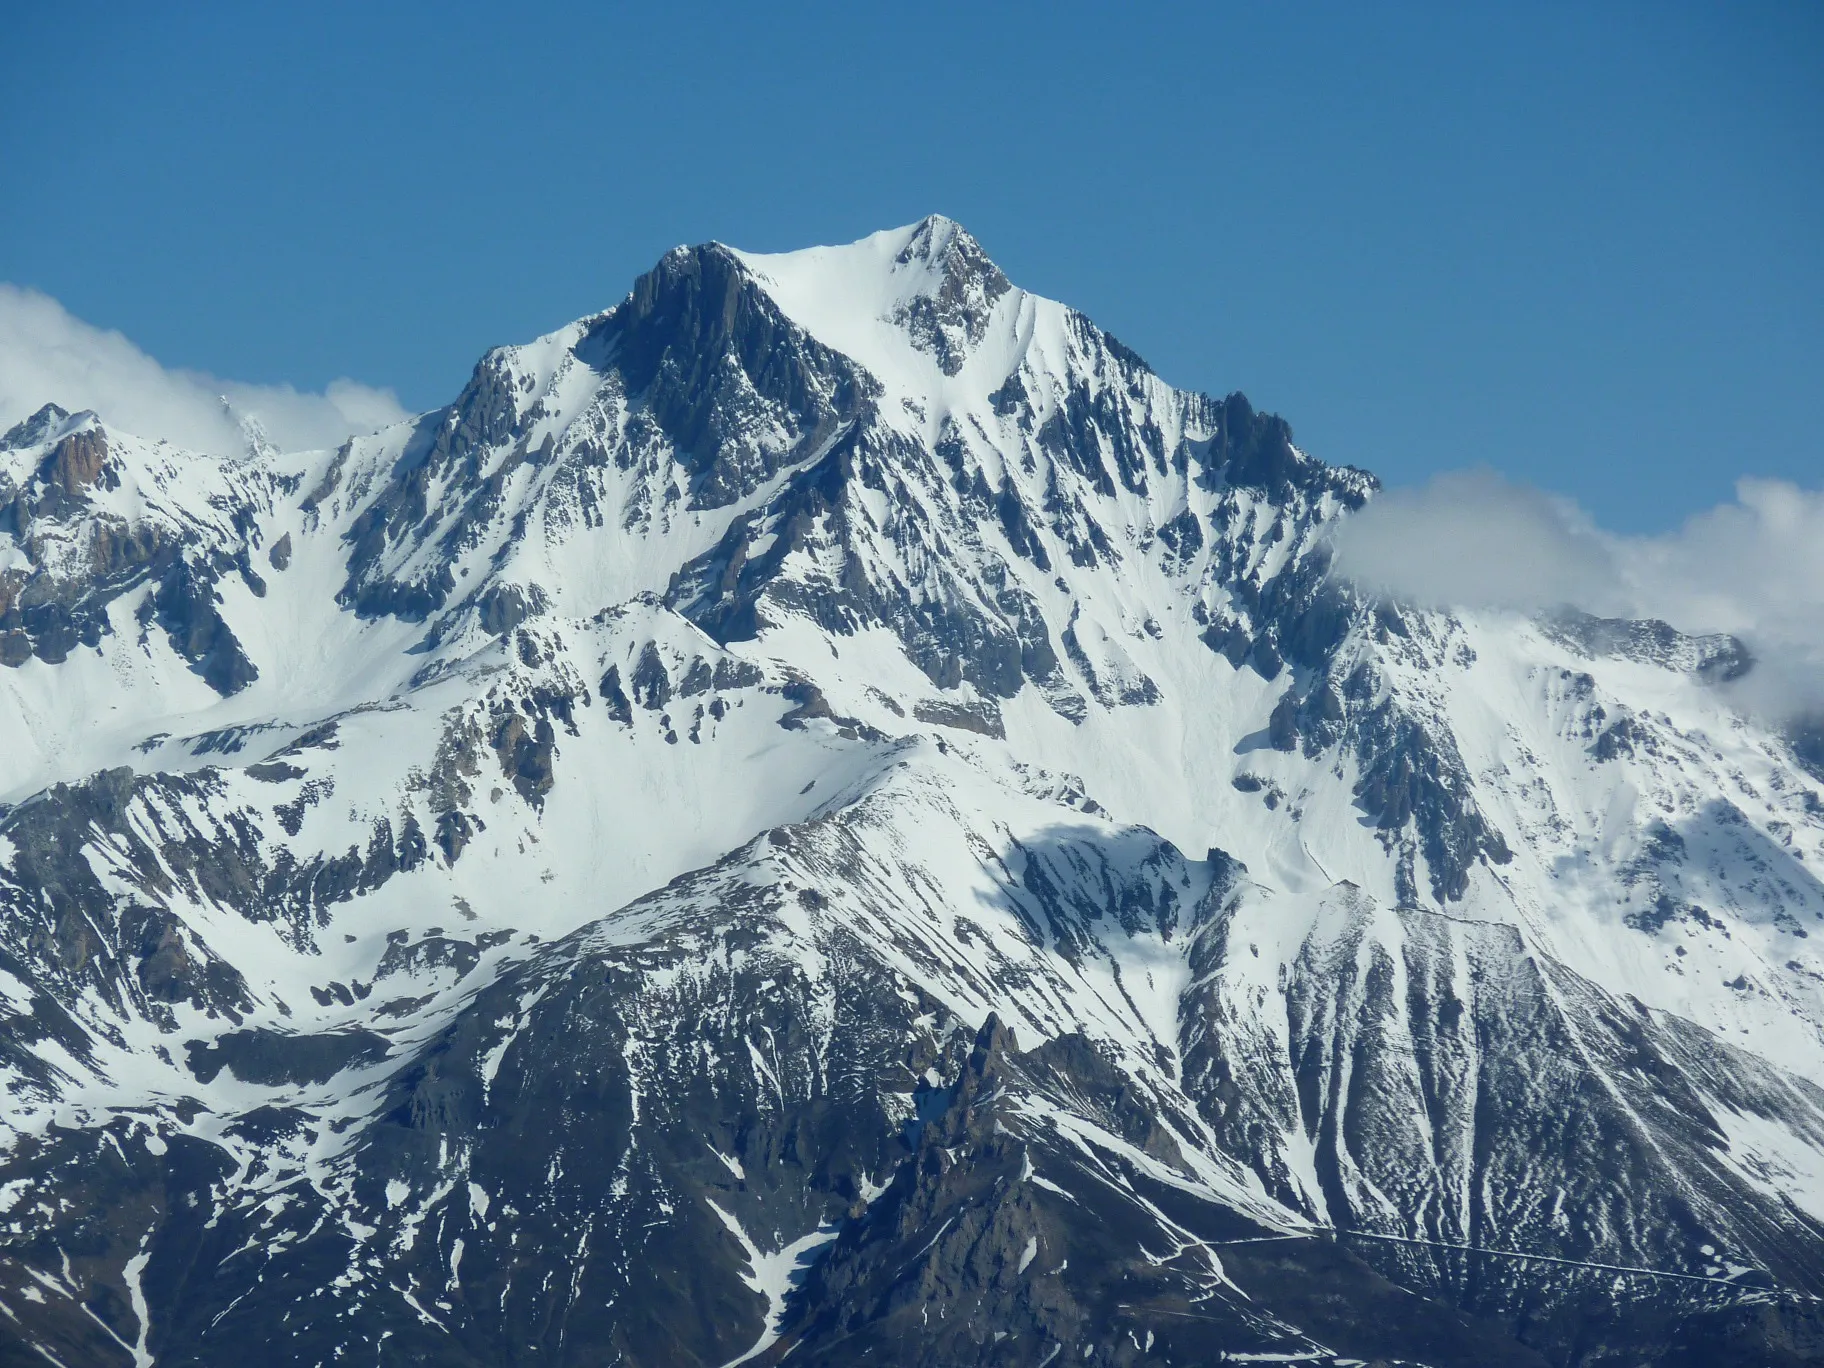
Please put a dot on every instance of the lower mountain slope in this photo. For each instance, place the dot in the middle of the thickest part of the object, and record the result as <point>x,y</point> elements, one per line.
<point>938,1050</point>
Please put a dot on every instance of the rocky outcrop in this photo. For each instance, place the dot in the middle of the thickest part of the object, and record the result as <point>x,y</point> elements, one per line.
<point>79,553</point>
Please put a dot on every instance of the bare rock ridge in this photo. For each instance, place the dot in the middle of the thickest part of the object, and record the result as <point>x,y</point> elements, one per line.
<point>680,858</point>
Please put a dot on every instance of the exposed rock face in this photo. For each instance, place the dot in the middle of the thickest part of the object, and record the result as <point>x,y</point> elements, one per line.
<point>186,606</point>
<point>90,526</point>
<point>949,321</point>
<point>681,861</point>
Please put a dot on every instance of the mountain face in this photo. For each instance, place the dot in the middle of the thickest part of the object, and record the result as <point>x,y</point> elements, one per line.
<point>827,811</point>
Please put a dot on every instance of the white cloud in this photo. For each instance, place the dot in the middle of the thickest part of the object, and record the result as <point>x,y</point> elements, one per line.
<point>49,356</point>
<point>1754,567</point>
<point>1473,539</point>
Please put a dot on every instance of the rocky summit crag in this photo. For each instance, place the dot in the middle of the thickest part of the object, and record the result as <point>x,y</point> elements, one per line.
<point>827,811</point>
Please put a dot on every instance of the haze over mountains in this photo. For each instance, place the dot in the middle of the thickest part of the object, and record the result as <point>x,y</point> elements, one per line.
<point>827,810</point>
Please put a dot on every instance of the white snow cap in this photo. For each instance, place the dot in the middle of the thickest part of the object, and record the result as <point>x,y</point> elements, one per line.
<point>913,296</point>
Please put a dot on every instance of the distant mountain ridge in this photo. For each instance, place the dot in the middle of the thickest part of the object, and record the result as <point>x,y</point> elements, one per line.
<point>827,810</point>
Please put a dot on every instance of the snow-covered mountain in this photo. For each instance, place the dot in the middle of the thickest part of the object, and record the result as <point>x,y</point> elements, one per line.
<point>826,810</point>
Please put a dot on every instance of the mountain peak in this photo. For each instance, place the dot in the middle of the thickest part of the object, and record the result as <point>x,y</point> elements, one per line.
<point>35,429</point>
<point>929,283</point>
<point>947,250</point>
<point>639,803</point>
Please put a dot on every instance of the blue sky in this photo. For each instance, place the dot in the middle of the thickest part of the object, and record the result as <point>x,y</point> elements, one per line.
<point>1581,244</point>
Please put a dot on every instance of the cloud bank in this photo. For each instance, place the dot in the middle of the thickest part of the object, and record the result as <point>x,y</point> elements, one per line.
<point>1754,567</point>
<point>47,355</point>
